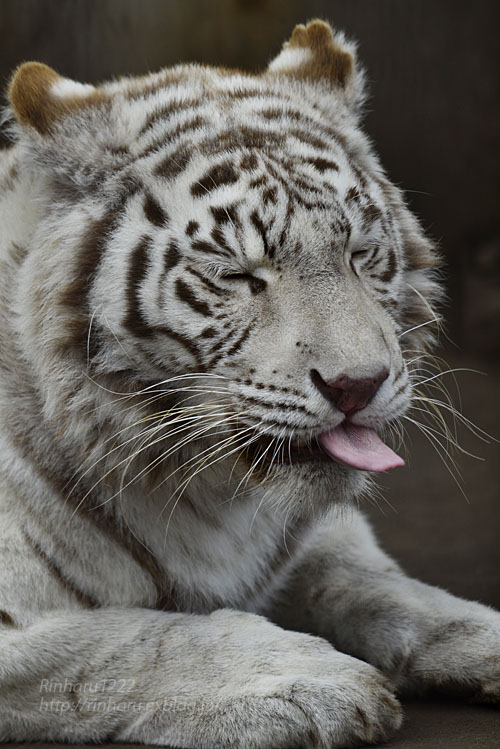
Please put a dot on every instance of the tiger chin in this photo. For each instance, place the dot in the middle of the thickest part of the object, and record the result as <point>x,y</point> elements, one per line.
<point>212,302</point>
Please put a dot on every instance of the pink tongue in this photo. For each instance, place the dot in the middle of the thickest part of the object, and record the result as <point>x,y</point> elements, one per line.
<point>359,447</point>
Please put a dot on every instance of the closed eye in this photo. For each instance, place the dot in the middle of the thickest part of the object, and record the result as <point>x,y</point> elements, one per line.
<point>255,283</point>
<point>237,276</point>
<point>363,254</point>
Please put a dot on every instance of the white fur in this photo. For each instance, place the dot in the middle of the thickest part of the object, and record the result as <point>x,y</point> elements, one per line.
<point>82,523</point>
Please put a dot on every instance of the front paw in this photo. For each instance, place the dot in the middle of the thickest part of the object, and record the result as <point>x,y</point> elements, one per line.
<point>459,657</point>
<point>327,701</point>
<point>301,692</point>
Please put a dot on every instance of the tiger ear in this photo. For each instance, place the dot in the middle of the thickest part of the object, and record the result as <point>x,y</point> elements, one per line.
<point>40,97</point>
<point>315,53</point>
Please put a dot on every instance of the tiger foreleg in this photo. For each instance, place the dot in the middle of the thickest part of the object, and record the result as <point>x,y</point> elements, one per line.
<point>224,679</point>
<point>346,589</point>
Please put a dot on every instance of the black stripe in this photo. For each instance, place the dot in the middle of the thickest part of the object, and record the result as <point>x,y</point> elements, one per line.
<point>201,245</point>
<point>277,404</point>
<point>135,321</point>
<point>186,294</point>
<point>261,230</point>
<point>183,340</point>
<point>172,256</point>
<point>391,268</point>
<point>208,283</point>
<point>154,212</point>
<point>226,214</point>
<point>239,343</point>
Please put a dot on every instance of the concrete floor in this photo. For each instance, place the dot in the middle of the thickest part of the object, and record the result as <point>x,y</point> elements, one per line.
<point>446,540</point>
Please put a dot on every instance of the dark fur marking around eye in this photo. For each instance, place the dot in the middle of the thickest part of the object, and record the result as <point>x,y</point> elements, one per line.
<point>186,294</point>
<point>192,228</point>
<point>207,283</point>
<point>219,176</point>
<point>154,212</point>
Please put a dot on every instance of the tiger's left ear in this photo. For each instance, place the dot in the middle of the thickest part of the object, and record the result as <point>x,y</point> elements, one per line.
<point>40,97</point>
<point>317,54</point>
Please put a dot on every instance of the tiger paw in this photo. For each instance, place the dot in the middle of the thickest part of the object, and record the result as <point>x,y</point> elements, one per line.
<point>459,657</point>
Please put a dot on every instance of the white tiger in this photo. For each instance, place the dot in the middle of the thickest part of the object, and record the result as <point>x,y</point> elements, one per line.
<point>205,281</point>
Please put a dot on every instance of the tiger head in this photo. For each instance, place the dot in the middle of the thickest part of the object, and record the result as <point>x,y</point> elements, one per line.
<point>231,243</point>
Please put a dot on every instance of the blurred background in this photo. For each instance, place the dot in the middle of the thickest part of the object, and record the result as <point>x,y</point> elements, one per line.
<point>433,114</point>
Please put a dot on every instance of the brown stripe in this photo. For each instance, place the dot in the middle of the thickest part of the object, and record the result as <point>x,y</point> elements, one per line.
<point>75,294</point>
<point>171,135</point>
<point>174,164</point>
<point>173,108</point>
<point>323,165</point>
<point>84,599</point>
<point>219,176</point>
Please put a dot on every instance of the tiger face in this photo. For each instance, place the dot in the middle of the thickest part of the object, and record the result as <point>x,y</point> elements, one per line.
<point>237,235</point>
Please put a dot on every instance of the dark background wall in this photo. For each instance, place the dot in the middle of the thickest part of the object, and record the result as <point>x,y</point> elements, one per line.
<point>434,114</point>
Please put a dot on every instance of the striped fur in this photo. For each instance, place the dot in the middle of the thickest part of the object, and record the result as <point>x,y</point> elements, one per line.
<point>179,252</point>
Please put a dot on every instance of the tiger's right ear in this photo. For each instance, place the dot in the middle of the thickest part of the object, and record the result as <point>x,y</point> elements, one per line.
<point>40,97</point>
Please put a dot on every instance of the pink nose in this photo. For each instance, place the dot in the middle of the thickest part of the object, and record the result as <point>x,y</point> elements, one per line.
<point>349,394</point>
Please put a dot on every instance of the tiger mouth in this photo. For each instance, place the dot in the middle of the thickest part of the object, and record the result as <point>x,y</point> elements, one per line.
<point>289,454</point>
<point>349,444</point>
